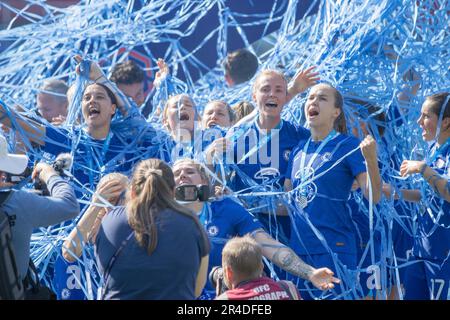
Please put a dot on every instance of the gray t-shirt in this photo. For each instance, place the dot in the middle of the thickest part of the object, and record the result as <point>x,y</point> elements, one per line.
<point>169,273</point>
<point>33,211</point>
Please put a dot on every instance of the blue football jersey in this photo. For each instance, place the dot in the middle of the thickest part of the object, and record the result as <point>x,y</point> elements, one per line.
<point>321,189</point>
<point>76,280</point>
<point>224,220</point>
<point>432,237</point>
<point>261,158</point>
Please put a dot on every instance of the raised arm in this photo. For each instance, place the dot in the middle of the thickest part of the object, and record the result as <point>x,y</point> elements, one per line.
<point>303,80</point>
<point>369,150</point>
<point>61,205</point>
<point>72,246</point>
<point>162,74</point>
<point>217,150</point>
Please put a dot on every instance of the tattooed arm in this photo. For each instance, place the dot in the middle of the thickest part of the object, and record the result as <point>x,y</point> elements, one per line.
<point>285,258</point>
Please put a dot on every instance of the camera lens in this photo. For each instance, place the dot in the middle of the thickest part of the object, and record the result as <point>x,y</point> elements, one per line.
<point>215,275</point>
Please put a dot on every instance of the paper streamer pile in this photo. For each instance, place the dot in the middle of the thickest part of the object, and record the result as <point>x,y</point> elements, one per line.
<point>389,54</point>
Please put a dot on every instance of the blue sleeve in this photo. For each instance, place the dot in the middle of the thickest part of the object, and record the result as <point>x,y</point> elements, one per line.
<point>243,220</point>
<point>56,140</point>
<point>114,227</point>
<point>43,211</point>
<point>355,161</point>
<point>113,230</point>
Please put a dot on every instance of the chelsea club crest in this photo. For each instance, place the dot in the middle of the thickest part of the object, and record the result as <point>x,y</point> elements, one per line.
<point>326,156</point>
<point>213,231</point>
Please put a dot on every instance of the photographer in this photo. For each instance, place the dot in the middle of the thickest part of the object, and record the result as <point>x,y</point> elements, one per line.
<point>242,269</point>
<point>27,210</point>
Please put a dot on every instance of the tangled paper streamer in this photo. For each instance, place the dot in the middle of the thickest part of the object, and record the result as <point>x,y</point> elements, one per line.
<point>389,54</point>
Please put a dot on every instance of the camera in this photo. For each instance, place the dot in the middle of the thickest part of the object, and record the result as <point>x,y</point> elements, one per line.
<point>216,279</point>
<point>17,178</point>
<point>190,192</point>
<point>62,162</point>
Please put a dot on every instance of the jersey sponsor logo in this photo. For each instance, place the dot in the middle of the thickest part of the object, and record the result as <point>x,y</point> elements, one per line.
<point>267,174</point>
<point>304,173</point>
<point>48,156</point>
